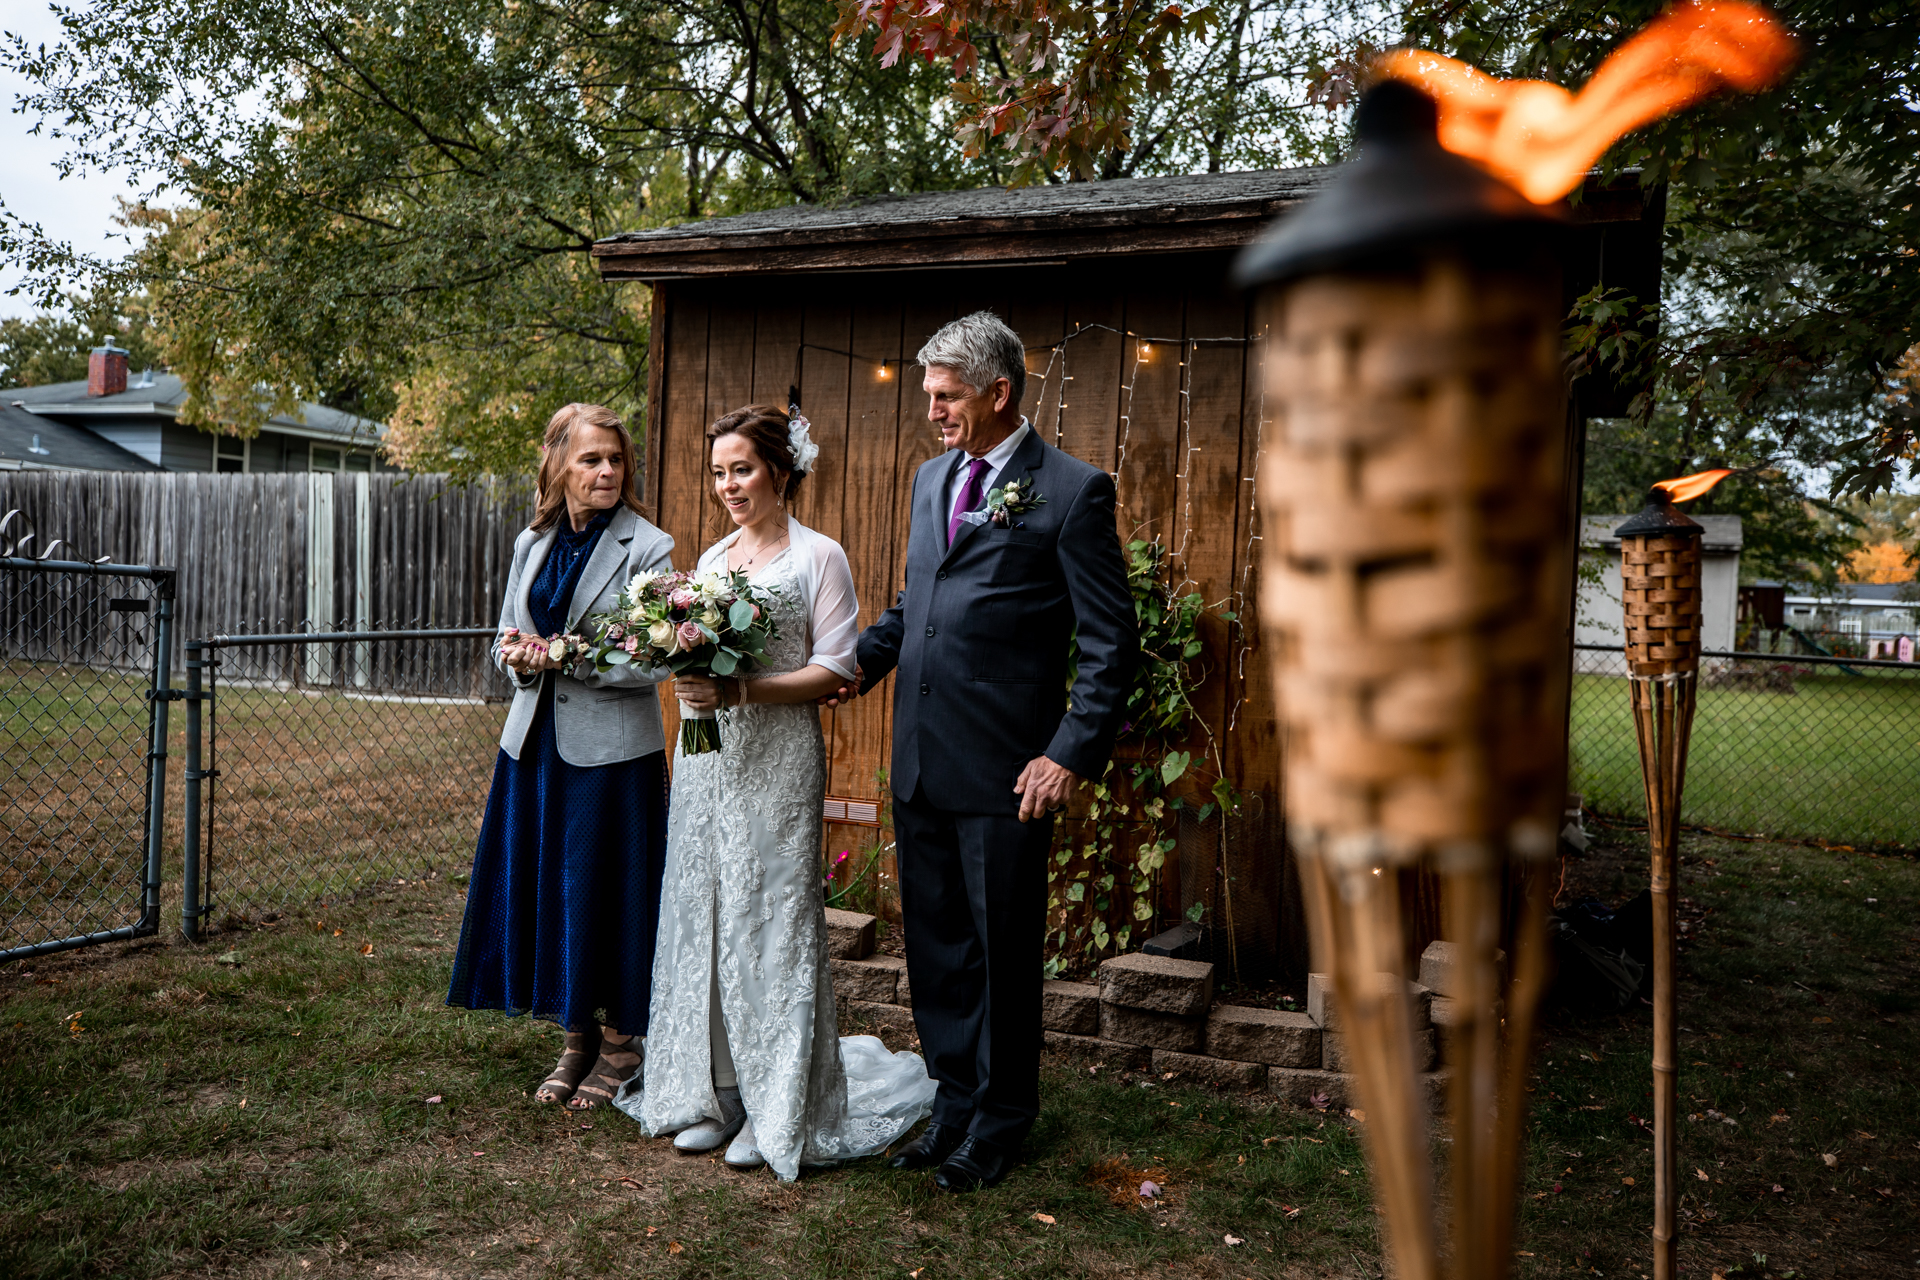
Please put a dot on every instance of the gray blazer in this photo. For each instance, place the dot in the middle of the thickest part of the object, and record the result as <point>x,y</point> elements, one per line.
<point>597,719</point>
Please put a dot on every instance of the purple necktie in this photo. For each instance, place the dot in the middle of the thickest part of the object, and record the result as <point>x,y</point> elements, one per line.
<point>969,496</point>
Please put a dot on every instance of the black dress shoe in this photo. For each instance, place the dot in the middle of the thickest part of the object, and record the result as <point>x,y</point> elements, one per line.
<point>930,1149</point>
<point>974,1165</point>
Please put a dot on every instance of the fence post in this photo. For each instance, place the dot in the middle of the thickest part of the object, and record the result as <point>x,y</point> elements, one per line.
<point>363,577</point>
<point>158,721</point>
<point>190,875</point>
<point>320,574</point>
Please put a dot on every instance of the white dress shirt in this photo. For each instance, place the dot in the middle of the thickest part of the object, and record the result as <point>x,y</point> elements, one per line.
<point>997,459</point>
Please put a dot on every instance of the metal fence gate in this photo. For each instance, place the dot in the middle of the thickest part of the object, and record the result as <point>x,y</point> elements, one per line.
<point>85,656</point>
<point>333,762</point>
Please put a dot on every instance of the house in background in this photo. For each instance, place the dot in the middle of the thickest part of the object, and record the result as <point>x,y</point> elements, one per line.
<point>1599,619</point>
<point>1859,619</point>
<point>110,424</point>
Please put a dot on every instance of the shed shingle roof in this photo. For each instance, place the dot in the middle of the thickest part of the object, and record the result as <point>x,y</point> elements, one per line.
<point>992,226</point>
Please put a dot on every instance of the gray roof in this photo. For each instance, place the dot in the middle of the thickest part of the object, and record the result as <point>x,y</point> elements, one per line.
<point>1183,197</point>
<point>1722,533</point>
<point>62,447</point>
<point>70,401</point>
<point>1855,592</point>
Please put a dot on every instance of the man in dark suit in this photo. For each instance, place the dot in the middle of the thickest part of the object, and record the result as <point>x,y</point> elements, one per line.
<point>1012,556</point>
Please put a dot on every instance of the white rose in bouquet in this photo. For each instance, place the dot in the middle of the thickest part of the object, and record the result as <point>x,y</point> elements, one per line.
<point>660,635</point>
<point>556,649</point>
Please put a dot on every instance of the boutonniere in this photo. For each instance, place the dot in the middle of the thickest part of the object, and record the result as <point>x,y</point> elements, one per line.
<point>1014,498</point>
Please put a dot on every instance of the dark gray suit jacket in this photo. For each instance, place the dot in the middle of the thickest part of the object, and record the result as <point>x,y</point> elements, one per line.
<point>980,636</point>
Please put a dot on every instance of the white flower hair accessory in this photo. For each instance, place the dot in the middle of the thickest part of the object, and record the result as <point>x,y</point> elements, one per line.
<point>800,444</point>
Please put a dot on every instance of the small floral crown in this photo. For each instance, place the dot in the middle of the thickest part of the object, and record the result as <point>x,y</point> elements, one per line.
<point>800,442</point>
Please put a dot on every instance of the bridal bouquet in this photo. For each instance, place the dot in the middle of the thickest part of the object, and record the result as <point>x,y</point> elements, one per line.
<point>709,624</point>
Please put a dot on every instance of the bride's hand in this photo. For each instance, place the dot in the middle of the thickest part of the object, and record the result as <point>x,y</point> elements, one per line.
<point>698,692</point>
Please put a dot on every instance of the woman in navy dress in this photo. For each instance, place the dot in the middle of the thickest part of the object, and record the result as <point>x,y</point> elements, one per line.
<point>564,904</point>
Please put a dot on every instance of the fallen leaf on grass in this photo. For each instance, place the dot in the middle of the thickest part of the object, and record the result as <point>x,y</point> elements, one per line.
<point>632,1184</point>
<point>652,1231</point>
<point>336,933</point>
<point>1778,1187</point>
<point>1831,1159</point>
<point>1149,1189</point>
<point>1290,1211</point>
<point>1626,1182</point>
<point>915,1273</point>
<point>243,1104</point>
<point>673,1246</point>
<point>1819,1020</point>
<point>366,948</point>
<point>435,1100</point>
<point>1232,1240</point>
<point>1044,1217</point>
<point>1357,1114</point>
<point>1702,1175</point>
<point>1320,1102</point>
<point>231,957</point>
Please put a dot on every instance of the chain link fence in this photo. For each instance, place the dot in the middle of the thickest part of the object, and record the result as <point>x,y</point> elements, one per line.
<point>1794,747</point>
<point>334,761</point>
<point>83,741</point>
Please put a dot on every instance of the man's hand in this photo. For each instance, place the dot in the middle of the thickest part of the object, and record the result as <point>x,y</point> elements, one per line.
<point>846,692</point>
<point>1044,786</point>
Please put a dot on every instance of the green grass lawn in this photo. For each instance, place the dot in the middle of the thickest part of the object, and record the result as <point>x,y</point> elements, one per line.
<point>164,1111</point>
<point>1838,759</point>
<point>318,793</point>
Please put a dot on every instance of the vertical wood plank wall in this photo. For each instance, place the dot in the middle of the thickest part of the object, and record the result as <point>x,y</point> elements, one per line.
<point>1187,482</point>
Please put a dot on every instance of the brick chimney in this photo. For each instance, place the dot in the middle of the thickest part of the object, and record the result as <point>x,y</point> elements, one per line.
<point>106,370</point>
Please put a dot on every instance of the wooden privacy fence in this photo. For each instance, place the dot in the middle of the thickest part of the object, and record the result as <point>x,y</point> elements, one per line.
<point>294,552</point>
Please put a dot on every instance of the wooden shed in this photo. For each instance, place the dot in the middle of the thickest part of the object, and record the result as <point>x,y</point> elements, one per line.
<point>1142,361</point>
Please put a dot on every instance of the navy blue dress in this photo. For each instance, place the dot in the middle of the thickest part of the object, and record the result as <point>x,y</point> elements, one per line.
<point>564,904</point>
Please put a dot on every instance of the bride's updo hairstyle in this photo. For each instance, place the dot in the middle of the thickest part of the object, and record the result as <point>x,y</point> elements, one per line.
<point>770,431</point>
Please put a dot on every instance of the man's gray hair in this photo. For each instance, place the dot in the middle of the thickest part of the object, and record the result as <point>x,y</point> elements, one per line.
<point>980,348</point>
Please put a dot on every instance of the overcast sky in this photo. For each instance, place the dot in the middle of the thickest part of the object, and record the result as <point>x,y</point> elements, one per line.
<point>79,208</point>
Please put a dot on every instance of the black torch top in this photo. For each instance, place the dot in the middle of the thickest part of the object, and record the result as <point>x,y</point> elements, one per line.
<point>1658,517</point>
<point>1403,189</point>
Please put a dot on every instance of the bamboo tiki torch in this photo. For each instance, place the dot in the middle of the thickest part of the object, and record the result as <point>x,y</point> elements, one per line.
<point>1415,589</point>
<point>1415,592</point>
<point>1661,601</point>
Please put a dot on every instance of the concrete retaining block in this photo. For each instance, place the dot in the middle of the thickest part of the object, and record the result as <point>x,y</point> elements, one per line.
<point>1271,1036</point>
<point>1158,984</point>
<point>1070,1007</point>
<point>850,934</point>
<point>1219,1073</point>
<point>1157,1030</point>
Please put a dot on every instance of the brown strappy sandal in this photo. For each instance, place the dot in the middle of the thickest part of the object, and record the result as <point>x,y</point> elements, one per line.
<point>582,1048</point>
<point>619,1060</point>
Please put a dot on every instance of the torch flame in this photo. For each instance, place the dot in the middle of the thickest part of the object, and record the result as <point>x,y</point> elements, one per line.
<point>1541,140</point>
<point>1687,488</point>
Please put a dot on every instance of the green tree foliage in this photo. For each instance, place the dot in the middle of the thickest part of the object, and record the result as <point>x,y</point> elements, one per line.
<point>53,346</point>
<point>388,206</point>
<point>1792,287</point>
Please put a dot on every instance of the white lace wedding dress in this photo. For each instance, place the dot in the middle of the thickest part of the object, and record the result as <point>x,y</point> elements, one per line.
<point>743,871</point>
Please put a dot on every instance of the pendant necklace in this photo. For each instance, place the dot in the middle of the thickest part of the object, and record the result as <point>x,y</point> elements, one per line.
<point>748,564</point>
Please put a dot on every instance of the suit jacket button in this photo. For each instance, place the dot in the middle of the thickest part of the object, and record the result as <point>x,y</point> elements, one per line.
<point>942,575</point>
<point>929,631</point>
<point>925,689</point>
<point>560,697</point>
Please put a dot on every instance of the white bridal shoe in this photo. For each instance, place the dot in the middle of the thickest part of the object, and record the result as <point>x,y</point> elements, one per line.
<point>745,1152</point>
<point>710,1135</point>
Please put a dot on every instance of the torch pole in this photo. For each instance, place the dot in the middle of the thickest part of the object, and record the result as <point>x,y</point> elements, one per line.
<point>1660,575</point>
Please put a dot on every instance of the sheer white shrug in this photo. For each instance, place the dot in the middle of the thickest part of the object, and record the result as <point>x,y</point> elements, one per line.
<point>826,587</point>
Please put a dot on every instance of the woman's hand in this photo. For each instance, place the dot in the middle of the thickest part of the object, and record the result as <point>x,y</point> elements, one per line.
<point>698,692</point>
<point>528,657</point>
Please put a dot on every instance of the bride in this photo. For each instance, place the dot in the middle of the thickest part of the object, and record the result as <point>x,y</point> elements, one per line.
<point>743,1047</point>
